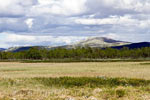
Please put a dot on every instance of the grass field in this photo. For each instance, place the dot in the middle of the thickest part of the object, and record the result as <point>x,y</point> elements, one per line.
<point>108,69</point>
<point>75,81</point>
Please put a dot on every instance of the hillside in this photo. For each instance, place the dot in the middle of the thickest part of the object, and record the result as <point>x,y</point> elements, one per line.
<point>24,48</point>
<point>134,45</point>
<point>101,42</point>
<point>2,49</point>
<point>98,42</point>
<point>17,49</point>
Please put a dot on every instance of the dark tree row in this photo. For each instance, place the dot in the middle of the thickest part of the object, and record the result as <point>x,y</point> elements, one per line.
<point>78,53</point>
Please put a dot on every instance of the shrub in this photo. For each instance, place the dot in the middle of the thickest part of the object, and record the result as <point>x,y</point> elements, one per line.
<point>120,92</point>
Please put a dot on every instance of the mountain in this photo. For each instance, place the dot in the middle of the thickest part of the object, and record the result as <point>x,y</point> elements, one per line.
<point>24,48</point>
<point>18,49</point>
<point>134,45</point>
<point>2,49</point>
<point>100,42</point>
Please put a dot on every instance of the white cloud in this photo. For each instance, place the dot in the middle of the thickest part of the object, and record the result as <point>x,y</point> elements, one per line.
<point>126,20</point>
<point>19,38</point>
<point>58,7</point>
<point>12,24</point>
<point>14,8</point>
<point>144,24</point>
<point>122,20</point>
<point>29,22</point>
<point>140,6</point>
<point>111,35</point>
<point>11,40</point>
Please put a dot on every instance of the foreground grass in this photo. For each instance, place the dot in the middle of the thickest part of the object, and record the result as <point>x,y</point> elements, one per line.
<point>75,81</point>
<point>71,88</point>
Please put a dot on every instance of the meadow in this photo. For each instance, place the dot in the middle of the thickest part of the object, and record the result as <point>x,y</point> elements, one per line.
<point>75,81</point>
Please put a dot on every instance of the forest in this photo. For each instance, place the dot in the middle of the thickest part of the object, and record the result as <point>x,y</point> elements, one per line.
<point>78,53</point>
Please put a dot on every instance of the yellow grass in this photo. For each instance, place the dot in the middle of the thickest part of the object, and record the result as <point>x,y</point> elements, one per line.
<point>108,69</point>
<point>28,90</point>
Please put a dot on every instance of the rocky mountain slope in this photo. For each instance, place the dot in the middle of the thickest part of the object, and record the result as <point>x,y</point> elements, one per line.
<point>99,42</point>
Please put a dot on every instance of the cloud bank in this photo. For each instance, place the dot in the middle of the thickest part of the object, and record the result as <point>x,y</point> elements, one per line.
<point>60,22</point>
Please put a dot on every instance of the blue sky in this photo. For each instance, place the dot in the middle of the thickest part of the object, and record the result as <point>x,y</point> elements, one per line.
<point>61,22</point>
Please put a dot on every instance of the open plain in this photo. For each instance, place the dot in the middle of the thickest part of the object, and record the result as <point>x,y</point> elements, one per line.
<point>75,81</point>
<point>83,69</point>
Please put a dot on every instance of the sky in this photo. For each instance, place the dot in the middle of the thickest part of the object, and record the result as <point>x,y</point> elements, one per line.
<point>62,22</point>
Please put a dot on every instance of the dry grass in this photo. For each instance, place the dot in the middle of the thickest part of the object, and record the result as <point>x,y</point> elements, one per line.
<point>109,69</point>
<point>118,93</point>
<point>16,81</point>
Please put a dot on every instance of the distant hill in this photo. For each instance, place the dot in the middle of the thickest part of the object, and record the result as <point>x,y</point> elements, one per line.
<point>134,45</point>
<point>18,49</point>
<point>2,49</point>
<point>94,42</point>
<point>99,42</point>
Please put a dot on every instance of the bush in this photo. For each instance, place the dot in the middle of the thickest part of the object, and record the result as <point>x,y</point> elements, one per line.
<point>120,92</point>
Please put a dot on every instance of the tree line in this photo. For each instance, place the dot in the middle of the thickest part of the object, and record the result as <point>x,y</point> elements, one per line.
<point>78,53</point>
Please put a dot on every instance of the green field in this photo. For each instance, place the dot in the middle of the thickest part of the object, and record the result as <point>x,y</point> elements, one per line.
<point>75,81</point>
